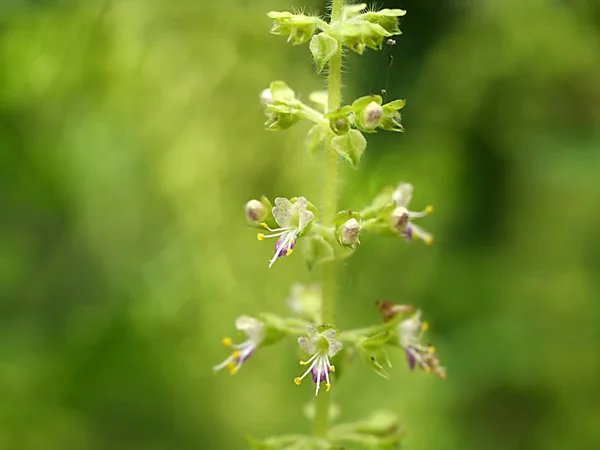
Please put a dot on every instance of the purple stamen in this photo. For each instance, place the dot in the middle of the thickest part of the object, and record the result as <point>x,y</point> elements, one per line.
<point>324,373</point>
<point>282,250</point>
<point>408,233</point>
<point>410,357</point>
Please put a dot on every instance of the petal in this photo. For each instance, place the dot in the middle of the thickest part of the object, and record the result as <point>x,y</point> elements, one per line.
<point>329,334</point>
<point>251,327</point>
<point>301,204</point>
<point>307,345</point>
<point>306,217</point>
<point>312,332</point>
<point>334,347</point>
<point>403,194</point>
<point>283,212</point>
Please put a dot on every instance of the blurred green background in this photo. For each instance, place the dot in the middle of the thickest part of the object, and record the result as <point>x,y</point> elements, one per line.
<point>130,138</point>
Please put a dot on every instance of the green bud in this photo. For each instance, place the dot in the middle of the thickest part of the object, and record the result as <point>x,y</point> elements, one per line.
<point>338,120</point>
<point>298,27</point>
<point>282,117</point>
<point>255,211</point>
<point>350,146</point>
<point>323,47</point>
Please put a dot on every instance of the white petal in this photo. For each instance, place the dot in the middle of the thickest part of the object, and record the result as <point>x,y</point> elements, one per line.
<point>403,194</point>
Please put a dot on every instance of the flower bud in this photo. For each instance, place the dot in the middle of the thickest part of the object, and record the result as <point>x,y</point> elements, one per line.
<point>372,115</point>
<point>349,232</point>
<point>399,219</point>
<point>255,211</point>
<point>340,125</point>
<point>266,97</point>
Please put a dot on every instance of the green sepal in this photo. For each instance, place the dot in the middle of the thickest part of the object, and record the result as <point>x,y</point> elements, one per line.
<point>377,359</point>
<point>338,120</point>
<point>323,47</point>
<point>281,92</point>
<point>298,27</point>
<point>377,340</point>
<point>391,118</point>
<point>313,140</point>
<point>386,18</point>
<point>275,328</point>
<point>381,431</point>
<point>350,146</point>
<point>358,34</point>
<point>316,250</point>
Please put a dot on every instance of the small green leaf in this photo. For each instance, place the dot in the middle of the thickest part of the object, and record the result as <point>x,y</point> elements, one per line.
<point>342,216</point>
<point>350,146</point>
<point>396,105</point>
<point>323,47</point>
<point>315,136</point>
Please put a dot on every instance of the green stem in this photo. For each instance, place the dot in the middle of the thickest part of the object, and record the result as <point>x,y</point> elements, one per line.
<point>334,91</point>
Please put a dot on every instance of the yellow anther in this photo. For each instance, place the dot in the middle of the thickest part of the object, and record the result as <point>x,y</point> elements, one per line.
<point>264,225</point>
<point>327,387</point>
<point>427,370</point>
<point>303,363</point>
<point>226,342</point>
<point>332,368</point>
<point>429,209</point>
<point>431,349</point>
<point>236,354</point>
<point>232,368</point>
<point>428,240</point>
<point>298,380</point>
<point>425,326</point>
<point>289,251</point>
<point>260,236</point>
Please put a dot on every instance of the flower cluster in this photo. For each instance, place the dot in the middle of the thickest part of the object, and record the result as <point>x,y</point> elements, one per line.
<point>400,219</point>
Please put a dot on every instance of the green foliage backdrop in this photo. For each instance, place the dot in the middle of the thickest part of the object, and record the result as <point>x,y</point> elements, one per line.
<point>131,137</point>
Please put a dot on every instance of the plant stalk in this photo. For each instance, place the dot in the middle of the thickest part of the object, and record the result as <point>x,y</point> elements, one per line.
<point>334,90</point>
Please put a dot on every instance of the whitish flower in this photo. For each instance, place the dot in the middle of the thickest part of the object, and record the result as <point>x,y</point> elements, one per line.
<point>255,211</point>
<point>321,347</point>
<point>266,97</point>
<point>349,232</point>
<point>410,332</point>
<point>292,219</point>
<point>254,330</point>
<point>372,115</point>
<point>401,217</point>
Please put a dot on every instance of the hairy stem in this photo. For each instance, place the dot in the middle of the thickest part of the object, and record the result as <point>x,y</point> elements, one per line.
<point>334,89</point>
